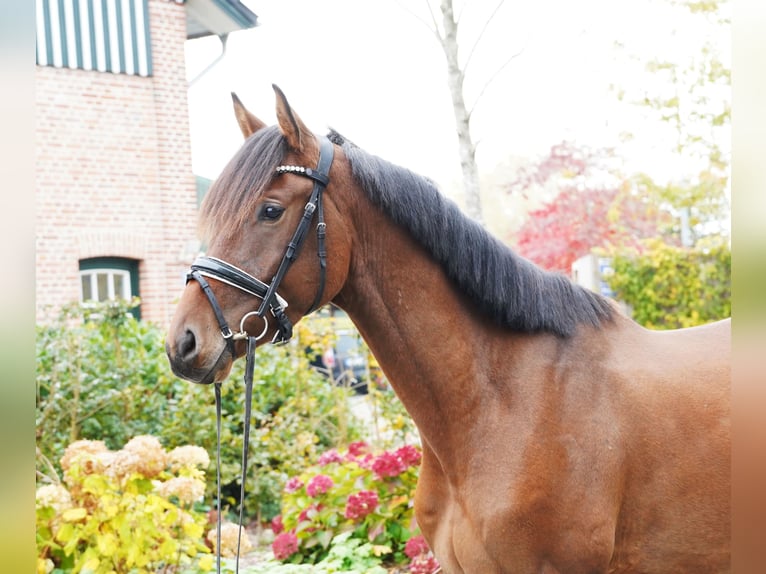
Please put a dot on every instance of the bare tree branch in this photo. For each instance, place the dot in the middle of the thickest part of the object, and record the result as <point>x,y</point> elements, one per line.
<point>435,22</point>
<point>481,35</point>
<point>492,79</point>
<point>432,29</point>
<point>460,15</point>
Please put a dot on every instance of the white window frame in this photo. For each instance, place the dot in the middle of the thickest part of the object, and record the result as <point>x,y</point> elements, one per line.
<point>92,275</point>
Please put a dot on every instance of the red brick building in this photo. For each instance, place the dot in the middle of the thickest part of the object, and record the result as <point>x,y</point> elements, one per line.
<point>116,199</point>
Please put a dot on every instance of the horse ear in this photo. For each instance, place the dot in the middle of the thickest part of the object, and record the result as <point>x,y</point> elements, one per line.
<point>248,123</point>
<point>294,130</point>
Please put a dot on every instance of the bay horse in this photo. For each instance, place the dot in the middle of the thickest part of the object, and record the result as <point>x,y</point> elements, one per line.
<point>558,435</point>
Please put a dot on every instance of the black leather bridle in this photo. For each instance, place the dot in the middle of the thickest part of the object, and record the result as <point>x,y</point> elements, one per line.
<point>212,267</point>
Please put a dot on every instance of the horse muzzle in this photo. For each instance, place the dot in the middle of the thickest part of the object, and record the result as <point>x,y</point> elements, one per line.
<point>188,362</point>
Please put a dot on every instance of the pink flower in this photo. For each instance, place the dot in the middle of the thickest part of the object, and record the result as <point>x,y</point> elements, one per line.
<point>293,484</point>
<point>330,456</point>
<point>277,525</point>
<point>365,461</point>
<point>388,464</point>
<point>284,545</point>
<point>422,561</point>
<point>424,564</point>
<point>416,546</point>
<point>358,448</point>
<point>409,455</point>
<point>361,504</point>
<point>319,485</point>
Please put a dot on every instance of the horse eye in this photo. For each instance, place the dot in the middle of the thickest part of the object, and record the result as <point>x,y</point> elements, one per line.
<point>270,212</point>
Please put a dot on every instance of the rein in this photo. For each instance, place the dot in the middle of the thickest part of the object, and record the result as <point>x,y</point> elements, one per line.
<point>212,267</point>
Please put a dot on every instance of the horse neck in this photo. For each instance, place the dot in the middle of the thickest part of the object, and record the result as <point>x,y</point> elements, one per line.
<point>426,336</point>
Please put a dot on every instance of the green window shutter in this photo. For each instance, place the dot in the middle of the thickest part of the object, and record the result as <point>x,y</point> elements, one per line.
<point>104,35</point>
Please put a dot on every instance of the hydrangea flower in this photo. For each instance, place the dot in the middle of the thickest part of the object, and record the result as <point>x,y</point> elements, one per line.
<point>91,456</point>
<point>293,484</point>
<point>188,456</point>
<point>409,455</point>
<point>422,560</point>
<point>356,449</point>
<point>319,485</point>
<point>361,504</point>
<point>416,546</point>
<point>229,534</point>
<point>122,465</point>
<point>424,564</point>
<point>388,464</point>
<point>284,545</point>
<point>55,496</point>
<point>185,488</point>
<point>151,458</point>
<point>329,456</point>
<point>394,463</point>
<point>277,526</point>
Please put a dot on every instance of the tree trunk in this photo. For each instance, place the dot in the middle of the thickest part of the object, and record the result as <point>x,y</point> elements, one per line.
<point>466,147</point>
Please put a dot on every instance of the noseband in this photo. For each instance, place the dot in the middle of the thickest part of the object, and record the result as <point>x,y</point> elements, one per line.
<point>220,270</point>
<point>212,267</point>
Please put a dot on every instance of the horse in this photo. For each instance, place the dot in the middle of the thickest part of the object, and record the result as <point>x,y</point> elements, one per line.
<point>558,435</point>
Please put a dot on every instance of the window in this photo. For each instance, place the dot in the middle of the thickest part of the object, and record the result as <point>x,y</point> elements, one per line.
<point>109,278</point>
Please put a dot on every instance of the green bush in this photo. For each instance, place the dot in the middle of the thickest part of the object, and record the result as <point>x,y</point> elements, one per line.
<point>103,375</point>
<point>670,287</point>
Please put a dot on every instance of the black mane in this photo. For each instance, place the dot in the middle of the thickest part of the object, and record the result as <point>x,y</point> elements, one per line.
<point>508,288</point>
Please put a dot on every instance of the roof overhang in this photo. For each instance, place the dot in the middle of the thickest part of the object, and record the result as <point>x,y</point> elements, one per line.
<point>217,17</point>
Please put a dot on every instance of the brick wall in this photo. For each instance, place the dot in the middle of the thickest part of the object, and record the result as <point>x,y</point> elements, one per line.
<point>114,178</point>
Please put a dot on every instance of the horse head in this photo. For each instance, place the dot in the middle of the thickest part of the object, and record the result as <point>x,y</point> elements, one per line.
<point>269,221</point>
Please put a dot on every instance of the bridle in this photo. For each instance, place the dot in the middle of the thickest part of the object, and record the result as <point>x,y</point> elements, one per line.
<point>211,267</point>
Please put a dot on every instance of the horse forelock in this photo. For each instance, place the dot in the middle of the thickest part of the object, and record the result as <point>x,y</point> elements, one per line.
<point>231,199</point>
<point>511,290</point>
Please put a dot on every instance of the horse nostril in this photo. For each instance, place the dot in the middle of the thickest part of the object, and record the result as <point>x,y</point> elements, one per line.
<point>187,345</point>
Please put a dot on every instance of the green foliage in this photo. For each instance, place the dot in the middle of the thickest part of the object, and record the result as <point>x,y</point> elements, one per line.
<point>346,554</point>
<point>363,498</point>
<point>130,511</point>
<point>102,375</point>
<point>99,371</point>
<point>704,201</point>
<point>670,287</point>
